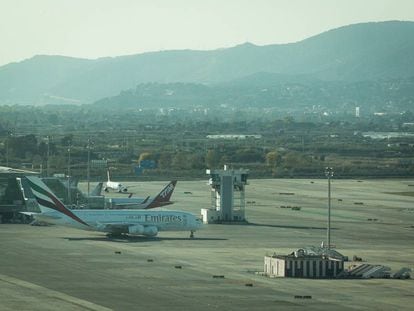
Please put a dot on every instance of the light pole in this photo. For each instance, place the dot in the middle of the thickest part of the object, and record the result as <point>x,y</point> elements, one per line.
<point>9,134</point>
<point>329,174</point>
<point>69,198</point>
<point>48,154</point>
<point>89,165</point>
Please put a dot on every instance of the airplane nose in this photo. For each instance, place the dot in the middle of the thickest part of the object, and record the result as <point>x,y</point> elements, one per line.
<point>199,223</point>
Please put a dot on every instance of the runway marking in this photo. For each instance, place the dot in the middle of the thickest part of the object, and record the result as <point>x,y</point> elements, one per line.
<point>53,294</point>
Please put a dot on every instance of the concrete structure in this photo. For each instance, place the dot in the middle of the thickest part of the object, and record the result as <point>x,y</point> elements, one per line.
<point>11,199</point>
<point>303,265</point>
<point>227,196</point>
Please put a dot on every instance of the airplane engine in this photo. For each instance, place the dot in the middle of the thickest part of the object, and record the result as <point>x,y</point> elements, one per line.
<point>136,229</point>
<point>150,231</point>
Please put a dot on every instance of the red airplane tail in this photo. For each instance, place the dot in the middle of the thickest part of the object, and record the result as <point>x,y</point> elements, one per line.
<point>163,198</point>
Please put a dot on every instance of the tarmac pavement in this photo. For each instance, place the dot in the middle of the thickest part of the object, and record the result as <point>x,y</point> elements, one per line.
<point>49,268</point>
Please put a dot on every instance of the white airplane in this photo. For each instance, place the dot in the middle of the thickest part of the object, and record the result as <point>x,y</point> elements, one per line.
<point>115,222</point>
<point>114,186</point>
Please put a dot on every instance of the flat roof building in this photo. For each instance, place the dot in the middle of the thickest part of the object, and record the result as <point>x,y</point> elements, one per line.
<point>301,264</point>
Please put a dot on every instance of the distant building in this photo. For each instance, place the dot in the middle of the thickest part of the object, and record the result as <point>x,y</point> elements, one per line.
<point>234,137</point>
<point>99,163</point>
<point>357,112</point>
<point>305,264</point>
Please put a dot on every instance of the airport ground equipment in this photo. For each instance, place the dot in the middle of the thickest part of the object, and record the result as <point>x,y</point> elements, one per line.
<point>368,271</point>
<point>403,273</point>
<point>227,196</point>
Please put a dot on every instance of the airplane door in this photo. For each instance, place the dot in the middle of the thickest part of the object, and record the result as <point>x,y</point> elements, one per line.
<point>185,221</point>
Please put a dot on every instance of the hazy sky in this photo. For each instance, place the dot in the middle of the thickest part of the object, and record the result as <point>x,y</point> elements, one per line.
<point>97,28</point>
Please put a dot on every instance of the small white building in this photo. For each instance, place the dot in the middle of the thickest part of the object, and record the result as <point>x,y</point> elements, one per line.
<point>234,136</point>
<point>301,264</point>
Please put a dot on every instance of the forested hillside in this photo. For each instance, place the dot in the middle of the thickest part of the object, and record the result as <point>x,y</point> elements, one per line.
<point>363,52</point>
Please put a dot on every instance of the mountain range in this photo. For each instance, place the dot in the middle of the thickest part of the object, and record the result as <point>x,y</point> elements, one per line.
<point>360,54</point>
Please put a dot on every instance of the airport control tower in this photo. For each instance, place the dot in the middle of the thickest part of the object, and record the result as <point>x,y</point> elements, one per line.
<point>227,196</point>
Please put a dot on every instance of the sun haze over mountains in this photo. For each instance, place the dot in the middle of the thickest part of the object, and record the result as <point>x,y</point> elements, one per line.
<point>361,52</point>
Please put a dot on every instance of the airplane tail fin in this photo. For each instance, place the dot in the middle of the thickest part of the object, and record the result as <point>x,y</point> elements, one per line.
<point>163,198</point>
<point>146,200</point>
<point>98,189</point>
<point>47,200</point>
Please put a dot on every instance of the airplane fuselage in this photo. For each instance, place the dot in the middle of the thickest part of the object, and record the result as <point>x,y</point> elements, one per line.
<point>132,203</point>
<point>120,201</point>
<point>120,220</point>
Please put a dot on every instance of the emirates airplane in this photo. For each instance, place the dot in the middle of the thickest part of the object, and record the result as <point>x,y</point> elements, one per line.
<point>113,222</point>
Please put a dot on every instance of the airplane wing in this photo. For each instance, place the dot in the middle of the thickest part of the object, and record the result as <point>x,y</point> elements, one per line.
<point>41,217</point>
<point>29,213</point>
<point>98,189</point>
<point>36,221</point>
<point>131,205</point>
<point>127,206</point>
<point>5,169</point>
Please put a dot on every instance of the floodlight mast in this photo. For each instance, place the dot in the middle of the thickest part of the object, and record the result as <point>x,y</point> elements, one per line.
<point>88,171</point>
<point>329,174</point>
<point>69,194</point>
<point>48,155</point>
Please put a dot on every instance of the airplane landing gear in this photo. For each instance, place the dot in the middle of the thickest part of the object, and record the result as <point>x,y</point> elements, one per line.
<point>191,234</point>
<point>115,235</point>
